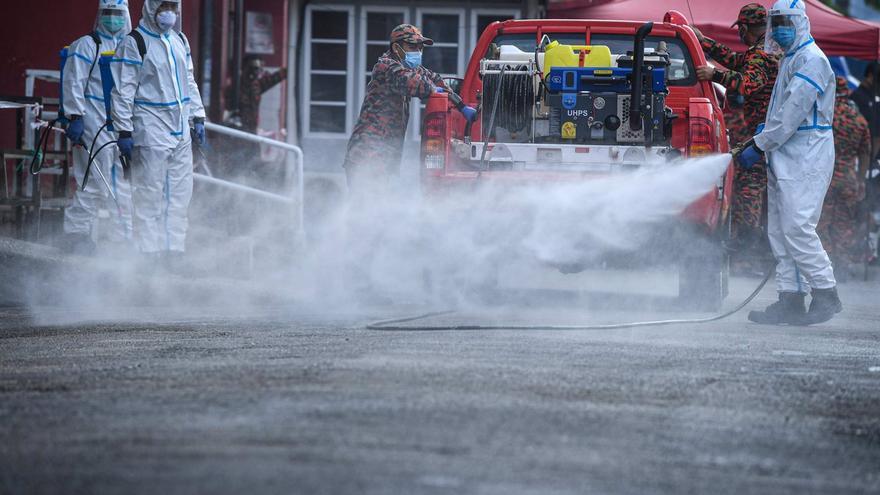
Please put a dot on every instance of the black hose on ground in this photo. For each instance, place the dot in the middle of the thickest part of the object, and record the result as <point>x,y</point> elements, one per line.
<point>394,324</point>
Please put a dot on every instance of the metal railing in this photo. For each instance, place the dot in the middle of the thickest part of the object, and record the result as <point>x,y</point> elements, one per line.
<point>294,186</point>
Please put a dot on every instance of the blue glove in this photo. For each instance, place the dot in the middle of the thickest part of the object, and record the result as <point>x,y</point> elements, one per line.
<point>75,130</point>
<point>438,89</point>
<point>470,113</point>
<point>199,129</point>
<point>749,157</point>
<point>125,145</point>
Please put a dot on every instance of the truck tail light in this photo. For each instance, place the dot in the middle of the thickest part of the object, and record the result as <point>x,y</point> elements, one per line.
<point>701,139</point>
<point>434,141</point>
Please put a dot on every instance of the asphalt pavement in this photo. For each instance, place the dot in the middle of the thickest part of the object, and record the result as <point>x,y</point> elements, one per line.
<point>286,400</point>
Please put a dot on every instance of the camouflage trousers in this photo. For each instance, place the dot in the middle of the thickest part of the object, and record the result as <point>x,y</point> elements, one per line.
<point>841,226</point>
<point>749,188</point>
<point>751,248</point>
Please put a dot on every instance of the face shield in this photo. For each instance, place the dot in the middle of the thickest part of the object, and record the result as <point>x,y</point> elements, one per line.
<point>113,18</point>
<point>787,27</point>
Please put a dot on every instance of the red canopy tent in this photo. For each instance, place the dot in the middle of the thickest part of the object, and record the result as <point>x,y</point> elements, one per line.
<point>837,35</point>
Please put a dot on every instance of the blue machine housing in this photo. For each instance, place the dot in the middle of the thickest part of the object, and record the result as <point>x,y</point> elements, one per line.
<point>591,105</point>
<point>601,79</point>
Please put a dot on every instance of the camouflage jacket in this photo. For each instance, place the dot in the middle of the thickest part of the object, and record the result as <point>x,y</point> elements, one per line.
<point>852,139</point>
<point>377,138</point>
<point>751,74</point>
<point>252,93</point>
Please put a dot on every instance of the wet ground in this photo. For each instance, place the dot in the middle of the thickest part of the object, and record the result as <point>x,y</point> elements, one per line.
<point>287,401</point>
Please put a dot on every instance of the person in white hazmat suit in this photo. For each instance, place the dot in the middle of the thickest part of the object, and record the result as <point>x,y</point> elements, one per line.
<point>83,104</point>
<point>798,141</point>
<point>155,103</point>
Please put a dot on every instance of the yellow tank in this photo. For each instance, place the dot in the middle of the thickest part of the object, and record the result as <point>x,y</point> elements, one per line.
<point>558,55</point>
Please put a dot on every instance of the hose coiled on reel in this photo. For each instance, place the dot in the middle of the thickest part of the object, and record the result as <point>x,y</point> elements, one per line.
<point>517,92</point>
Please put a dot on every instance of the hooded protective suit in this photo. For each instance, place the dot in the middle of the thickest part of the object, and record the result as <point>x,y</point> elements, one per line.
<point>83,96</point>
<point>798,141</point>
<point>155,99</point>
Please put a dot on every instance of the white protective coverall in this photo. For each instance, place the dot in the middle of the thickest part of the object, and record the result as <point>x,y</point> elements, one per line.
<point>156,98</point>
<point>83,95</point>
<point>799,145</point>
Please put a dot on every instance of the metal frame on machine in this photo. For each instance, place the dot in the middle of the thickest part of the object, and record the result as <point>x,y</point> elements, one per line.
<point>27,195</point>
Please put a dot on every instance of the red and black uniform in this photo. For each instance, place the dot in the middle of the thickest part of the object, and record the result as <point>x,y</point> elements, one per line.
<point>252,89</point>
<point>752,74</point>
<point>377,140</point>
<point>839,225</point>
<point>735,121</point>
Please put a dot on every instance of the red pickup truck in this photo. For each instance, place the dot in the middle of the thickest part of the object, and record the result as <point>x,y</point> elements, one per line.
<point>555,104</point>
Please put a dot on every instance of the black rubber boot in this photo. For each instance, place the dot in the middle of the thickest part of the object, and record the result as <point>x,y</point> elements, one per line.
<point>824,305</point>
<point>789,309</point>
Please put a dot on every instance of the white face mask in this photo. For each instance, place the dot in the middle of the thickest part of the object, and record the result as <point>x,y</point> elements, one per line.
<point>166,20</point>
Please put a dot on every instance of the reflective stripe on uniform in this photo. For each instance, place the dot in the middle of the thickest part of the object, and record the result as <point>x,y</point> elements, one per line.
<point>83,57</point>
<point>812,82</point>
<point>162,104</point>
<point>125,61</point>
<point>147,31</point>
<point>802,45</point>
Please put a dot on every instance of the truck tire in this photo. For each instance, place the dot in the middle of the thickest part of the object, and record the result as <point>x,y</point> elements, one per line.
<point>703,281</point>
<point>704,272</point>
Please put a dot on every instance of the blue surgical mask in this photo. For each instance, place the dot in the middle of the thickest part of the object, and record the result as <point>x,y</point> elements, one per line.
<point>413,59</point>
<point>113,23</point>
<point>784,35</point>
<point>166,20</point>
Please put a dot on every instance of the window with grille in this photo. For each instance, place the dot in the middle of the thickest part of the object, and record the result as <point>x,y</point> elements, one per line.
<point>377,23</point>
<point>330,32</point>
<point>481,18</point>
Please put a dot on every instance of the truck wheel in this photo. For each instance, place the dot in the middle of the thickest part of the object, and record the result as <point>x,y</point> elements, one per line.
<point>704,272</point>
<point>703,281</point>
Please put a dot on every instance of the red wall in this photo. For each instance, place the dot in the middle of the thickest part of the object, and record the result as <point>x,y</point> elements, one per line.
<point>33,34</point>
<point>279,28</point>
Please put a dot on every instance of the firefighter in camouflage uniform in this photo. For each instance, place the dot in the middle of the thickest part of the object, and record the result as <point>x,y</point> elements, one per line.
<point>375,150</point>
<point>752,75</point>
<point>840,226</point>
<point>255,82</point>
<point>376,144</point>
